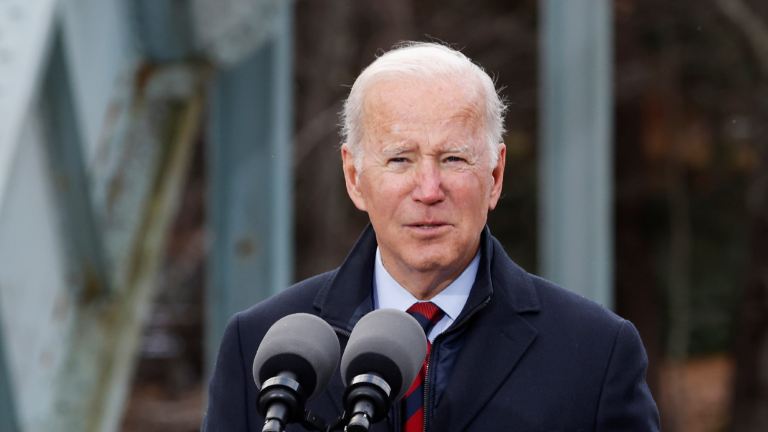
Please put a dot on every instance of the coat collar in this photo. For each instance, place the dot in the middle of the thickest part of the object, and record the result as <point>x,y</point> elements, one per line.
<point>502,289</point>
<point>341,298</point>
<point>351,286</point>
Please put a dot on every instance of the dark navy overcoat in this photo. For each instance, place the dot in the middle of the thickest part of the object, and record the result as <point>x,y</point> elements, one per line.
<point>524,355</point>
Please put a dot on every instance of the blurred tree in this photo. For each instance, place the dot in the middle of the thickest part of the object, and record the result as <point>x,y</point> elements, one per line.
<point>684,85</point>
<point>750,400</point>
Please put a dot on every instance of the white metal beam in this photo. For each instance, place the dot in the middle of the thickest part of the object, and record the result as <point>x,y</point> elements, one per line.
<point>26,27</point>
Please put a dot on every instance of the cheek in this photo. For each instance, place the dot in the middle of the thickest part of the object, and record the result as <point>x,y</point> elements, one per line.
<point>468,190</point>
<point>471,201</point>
<point>385,193</point>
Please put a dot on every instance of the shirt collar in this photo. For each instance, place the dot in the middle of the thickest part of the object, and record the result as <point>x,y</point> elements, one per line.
<point>388,293</point>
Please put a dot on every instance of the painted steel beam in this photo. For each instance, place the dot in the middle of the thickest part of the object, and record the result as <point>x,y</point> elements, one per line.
<point>35,298</point>
<point>8,418</point>
<point>73,355</point>
<point>95,377</point>
<point>26,27</point>
<point>87,260</point>
<point>251,208</point>
<point>164,28</point>
<point>102,59</point>
<point>575,206</point>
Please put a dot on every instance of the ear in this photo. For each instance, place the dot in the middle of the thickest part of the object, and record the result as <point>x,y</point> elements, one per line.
<point>498,177</point>
<point>352,177</point>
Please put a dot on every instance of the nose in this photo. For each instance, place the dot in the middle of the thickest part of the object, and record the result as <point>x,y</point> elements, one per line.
<point>429,187</point>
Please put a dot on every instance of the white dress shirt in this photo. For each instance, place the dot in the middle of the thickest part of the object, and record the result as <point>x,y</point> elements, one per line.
<point>387,293</point>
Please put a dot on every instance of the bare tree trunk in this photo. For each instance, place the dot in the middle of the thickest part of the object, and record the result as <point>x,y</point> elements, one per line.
<point>678,289</point>
<point>679,260</point>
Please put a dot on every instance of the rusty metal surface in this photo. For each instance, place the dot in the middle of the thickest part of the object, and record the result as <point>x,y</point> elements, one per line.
<point>92,162</point>
<point>108,330</point>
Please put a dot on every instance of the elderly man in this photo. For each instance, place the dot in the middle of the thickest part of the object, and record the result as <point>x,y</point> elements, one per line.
<point>509,351</point>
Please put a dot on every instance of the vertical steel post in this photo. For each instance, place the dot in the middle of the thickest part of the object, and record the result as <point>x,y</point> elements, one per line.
<point>575,204</point>
<point>8,422</point>
<point>251,195</point>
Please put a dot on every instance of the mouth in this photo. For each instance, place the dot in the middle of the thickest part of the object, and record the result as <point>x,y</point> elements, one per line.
<point>428,226</point>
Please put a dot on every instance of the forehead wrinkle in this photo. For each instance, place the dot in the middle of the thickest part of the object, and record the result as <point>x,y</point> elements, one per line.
<point>404,145</point>
<point>465,101</point>
<point>394,119</point>
<point>390,150</point>
<point>459,149</point>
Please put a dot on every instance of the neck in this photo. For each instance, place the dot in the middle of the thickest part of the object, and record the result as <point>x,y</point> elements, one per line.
<point>425,284</point>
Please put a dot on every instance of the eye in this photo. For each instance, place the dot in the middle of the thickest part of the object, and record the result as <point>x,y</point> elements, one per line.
<point>454,159</point>
<point>398,160</point>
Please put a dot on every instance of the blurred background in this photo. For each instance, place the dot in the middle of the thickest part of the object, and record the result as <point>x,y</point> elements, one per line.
<point>167,163</point>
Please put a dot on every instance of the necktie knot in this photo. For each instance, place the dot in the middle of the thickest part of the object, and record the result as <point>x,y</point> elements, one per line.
<point>427,314</point>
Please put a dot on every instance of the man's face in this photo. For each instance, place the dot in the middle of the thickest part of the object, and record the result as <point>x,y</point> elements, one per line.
<point>426,181</point>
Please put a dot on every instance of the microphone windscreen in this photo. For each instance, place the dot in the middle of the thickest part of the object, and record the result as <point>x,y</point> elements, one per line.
<point>390,343</point>
<point>302,344</point>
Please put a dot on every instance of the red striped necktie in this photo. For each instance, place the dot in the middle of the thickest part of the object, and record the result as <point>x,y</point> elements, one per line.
<point>427,314</point>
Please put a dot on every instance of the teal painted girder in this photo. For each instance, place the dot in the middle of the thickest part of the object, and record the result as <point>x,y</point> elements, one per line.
<point>251,181</point>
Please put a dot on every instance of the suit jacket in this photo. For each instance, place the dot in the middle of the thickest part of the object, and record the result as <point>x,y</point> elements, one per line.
<point>533,356</point>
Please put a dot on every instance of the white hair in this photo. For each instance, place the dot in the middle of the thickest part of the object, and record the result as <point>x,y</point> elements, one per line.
<point>422,60</point>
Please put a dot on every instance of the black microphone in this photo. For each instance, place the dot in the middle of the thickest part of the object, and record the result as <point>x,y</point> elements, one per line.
<point>293,365</point>
<point>384,354</point>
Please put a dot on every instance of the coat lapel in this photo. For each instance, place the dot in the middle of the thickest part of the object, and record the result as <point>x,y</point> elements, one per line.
<point>496,339</point>
<point>335,392</point>
<point>344,298</point>
<point>487,358</point>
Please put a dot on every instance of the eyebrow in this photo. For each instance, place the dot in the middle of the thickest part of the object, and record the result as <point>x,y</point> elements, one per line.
<point>459,149</point>
<point>394,150</point>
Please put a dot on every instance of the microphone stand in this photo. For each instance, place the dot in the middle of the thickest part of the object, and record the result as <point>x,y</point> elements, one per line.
<point>280,401</point>
<point>366,401</point>
<point>311,422</point>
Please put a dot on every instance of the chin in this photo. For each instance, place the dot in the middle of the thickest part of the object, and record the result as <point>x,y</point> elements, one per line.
<point>429,260</point>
